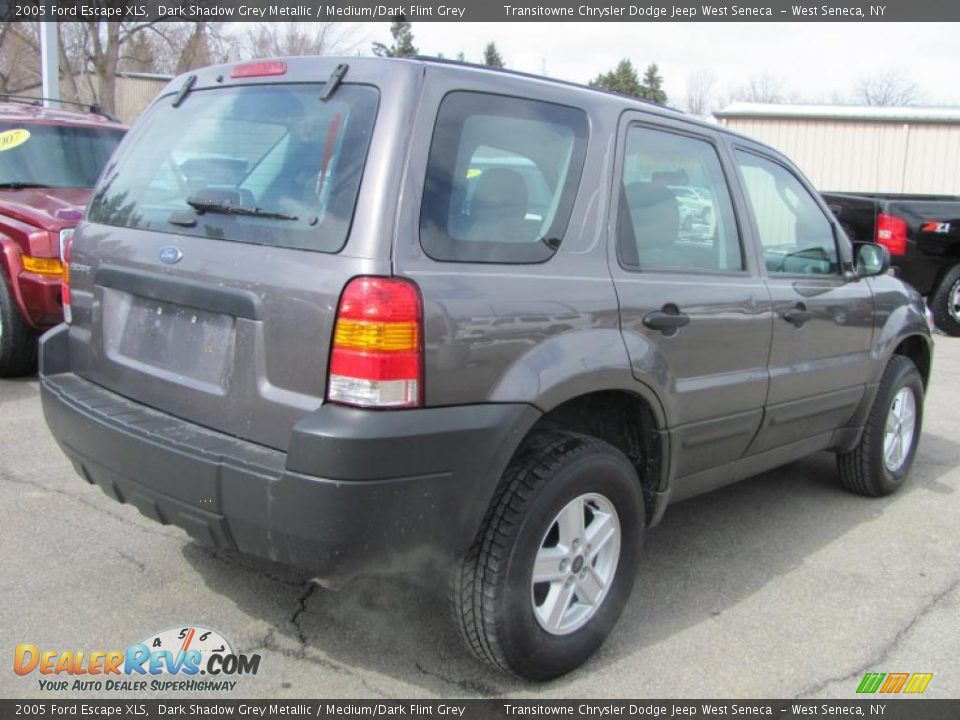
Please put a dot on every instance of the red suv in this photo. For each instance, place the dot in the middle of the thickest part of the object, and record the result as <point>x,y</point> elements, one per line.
<point>49,161</point>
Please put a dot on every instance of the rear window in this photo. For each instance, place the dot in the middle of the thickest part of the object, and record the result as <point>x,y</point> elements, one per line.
<point>262,164</point>
<point>59,156</point>
<point>501,179</point>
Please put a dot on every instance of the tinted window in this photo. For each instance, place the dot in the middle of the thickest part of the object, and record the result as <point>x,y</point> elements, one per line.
<point>675,207</point>
<point>795,233</point>
<point>54,155</point>
<point>501,178</point>
<point>264,164</point>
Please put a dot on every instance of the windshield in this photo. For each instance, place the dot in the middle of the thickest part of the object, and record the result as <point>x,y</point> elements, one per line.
<point>263,164</point>
<point>54,155</point>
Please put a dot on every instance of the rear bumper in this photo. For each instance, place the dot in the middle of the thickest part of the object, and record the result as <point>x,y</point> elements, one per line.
<point>360,492</point>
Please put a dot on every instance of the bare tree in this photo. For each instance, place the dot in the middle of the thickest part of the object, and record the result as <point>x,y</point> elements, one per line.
<point>700,90</point>
<point>92,53</point>
<point>183,46</point>
<point>887,88</point>
<point>277,39</point>
<point>19,56</point>
<point>760,89</point>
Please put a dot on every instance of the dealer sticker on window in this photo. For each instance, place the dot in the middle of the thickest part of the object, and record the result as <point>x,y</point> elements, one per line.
<point>10,139</point>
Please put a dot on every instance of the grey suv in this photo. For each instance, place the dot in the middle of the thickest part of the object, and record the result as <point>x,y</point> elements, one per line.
<point>370,315</point>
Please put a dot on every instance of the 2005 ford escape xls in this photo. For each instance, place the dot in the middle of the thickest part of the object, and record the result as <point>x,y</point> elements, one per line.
<point>370,317</point>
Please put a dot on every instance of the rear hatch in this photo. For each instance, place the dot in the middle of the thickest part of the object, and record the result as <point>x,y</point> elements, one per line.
<point>206,279</point>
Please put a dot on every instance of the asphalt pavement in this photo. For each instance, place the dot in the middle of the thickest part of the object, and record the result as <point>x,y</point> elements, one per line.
<point>781,586</point>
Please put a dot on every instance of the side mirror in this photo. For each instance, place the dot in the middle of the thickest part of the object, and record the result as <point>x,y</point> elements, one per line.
<point>872,260</point>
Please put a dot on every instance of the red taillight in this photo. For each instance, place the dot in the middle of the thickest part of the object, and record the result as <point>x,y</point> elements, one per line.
<point>66,243</point>
<point>377,355</point>
<point>892,233</point>
<point>259,69</point>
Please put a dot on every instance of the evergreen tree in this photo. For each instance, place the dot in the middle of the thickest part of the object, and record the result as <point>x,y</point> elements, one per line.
<point>653,85</point>
<point>491,56</point>
<point>403,46</point>
<point>623,80</point>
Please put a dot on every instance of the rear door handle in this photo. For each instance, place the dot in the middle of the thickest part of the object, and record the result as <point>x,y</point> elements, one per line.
<point>668,320</point>
<point>797,315</point>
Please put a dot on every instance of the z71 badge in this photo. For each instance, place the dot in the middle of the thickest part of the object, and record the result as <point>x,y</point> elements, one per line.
<point>935,226</point>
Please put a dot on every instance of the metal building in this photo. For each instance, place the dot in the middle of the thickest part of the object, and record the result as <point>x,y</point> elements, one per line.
<point>845,148</point>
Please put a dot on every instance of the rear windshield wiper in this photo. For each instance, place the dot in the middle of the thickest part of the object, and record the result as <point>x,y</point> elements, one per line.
<point>212,206</point>
<point>22,185</point>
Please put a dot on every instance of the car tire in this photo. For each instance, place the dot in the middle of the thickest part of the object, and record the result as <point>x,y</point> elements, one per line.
<point>502,614</point>
<point>945,303</point>
<point>880,462</point>
<point>18,342</point>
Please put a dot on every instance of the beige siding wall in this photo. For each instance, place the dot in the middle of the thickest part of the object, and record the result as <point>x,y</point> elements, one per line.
<point>865,156</point>
<point>133,93</point>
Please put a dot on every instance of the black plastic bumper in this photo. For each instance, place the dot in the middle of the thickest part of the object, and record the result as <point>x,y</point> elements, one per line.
<point>360,492</point>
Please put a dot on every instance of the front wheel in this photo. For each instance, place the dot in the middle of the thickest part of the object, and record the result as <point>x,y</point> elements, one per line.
<point>555,559</point>
<point>18,343</point>
<point>880,462</point>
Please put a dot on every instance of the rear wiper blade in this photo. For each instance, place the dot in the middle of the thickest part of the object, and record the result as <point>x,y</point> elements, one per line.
<point>22,185</point>
<point>212,206</point>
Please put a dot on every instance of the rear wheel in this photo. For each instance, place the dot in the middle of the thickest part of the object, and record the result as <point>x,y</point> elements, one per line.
<point>555,559</point>
<point>945,302</point>
<point>18,342</point>
<point>879,464</point>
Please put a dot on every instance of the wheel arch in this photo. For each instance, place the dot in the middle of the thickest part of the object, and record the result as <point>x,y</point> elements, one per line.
<point>10,267</point>
<point>917,348</point>
<point>627,421</point>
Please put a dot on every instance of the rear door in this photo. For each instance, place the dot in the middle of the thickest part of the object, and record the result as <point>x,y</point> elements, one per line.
<point>206,279</point>
<point>694,311</point>
<point>823,319</point>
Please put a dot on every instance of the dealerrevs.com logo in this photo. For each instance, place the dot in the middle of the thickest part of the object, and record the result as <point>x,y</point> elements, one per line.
<point>167,661</point>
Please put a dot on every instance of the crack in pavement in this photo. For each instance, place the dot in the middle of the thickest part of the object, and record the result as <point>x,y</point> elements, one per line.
<point>270,643</point>
<point>301,653</point>
<point>462,683</point>
<point>309,590</point>
<point>17,479</point>
<point>884,652</point>
<point>141,566</point>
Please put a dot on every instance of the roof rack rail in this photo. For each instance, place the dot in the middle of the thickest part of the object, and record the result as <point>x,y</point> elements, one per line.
<point>534,76</point>
<point>38,101</point>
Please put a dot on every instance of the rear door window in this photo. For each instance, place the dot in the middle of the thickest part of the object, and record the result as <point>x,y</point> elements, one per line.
<point>263,164</point>
<point>502,176</point>
<point>675,208</point>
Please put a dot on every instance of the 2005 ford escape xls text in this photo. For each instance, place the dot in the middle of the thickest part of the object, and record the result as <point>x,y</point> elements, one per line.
<point>396,314</point>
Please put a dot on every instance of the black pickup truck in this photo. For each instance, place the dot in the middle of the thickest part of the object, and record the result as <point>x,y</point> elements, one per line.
<point>922,233</point>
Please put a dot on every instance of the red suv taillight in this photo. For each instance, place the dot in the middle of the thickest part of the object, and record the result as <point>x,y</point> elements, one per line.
<point>66,241</point>
<point>892,233</point>
<point>377,355</point>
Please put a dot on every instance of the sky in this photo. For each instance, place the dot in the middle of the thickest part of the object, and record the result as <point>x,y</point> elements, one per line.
<point>816,62</point>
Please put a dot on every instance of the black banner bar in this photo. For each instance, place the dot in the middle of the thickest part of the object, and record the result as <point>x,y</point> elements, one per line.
<point>880,709</point>
<point>483,10</point>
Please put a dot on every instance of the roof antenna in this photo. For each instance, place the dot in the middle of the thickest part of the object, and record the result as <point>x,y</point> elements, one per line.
<point>333,82</point>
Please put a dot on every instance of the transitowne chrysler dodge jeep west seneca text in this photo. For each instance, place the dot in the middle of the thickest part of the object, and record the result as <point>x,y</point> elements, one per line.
<point>421,313</point>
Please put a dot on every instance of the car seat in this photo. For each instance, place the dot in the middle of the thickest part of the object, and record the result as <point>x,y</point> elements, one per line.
<point>498,208</point>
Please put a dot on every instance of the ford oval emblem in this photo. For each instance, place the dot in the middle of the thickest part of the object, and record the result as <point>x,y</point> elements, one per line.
<point>170,254</point>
